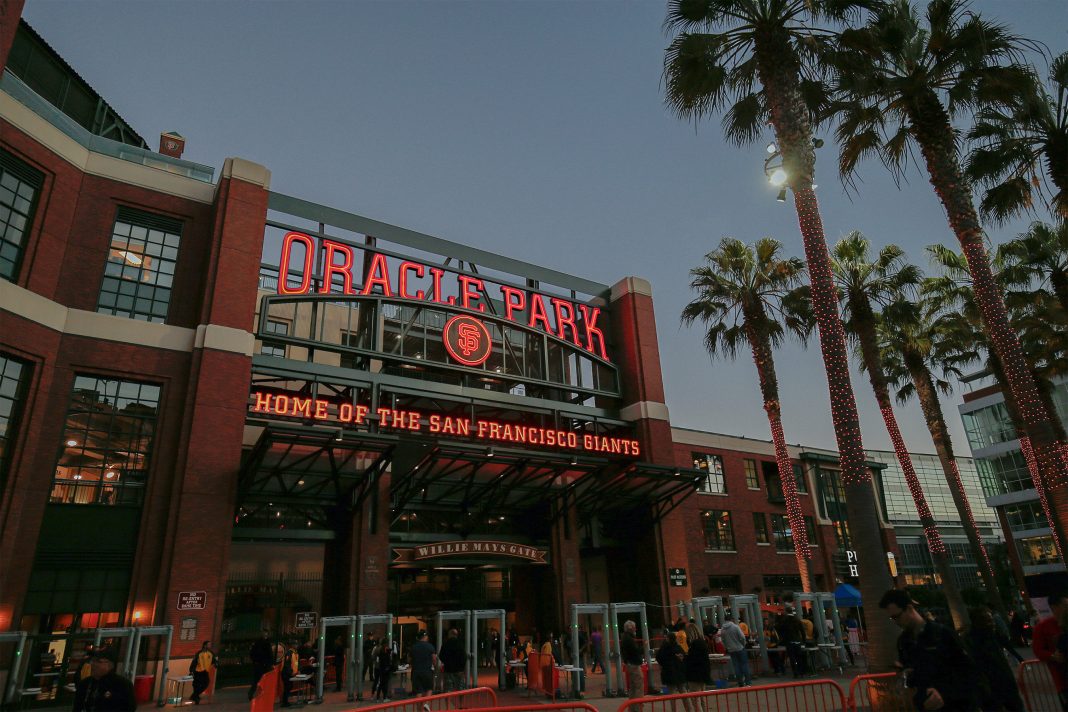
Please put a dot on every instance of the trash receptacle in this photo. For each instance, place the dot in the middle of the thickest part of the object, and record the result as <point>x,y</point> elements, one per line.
<point>143,685</point>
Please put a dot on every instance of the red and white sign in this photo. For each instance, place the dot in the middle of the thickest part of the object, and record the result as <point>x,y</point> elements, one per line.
<point>467,340</point>
<point>566,320</point>
<point>392,419</point>
<point>192,600</point>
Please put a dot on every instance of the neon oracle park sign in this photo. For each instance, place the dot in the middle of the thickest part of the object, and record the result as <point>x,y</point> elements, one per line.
<point>438,425</point>
<point>572,322</point>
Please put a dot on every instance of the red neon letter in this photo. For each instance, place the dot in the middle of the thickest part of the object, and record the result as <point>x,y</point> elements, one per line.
<point>306,268</point>
<point>263,402</point>
<point>378,275</point>
<point>403,286</point>
<point>320,409</point>
<point>589,320</point>
<point>344,412</point>
<point>344,269</point>
<point>436,274</point>
<point>537,313</point>
<point>511,307</point>
<point>560,306</point>
<point>467,296</point>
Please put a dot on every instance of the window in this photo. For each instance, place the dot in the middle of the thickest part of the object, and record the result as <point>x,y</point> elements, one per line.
<point>1037,551</point>
<point>810,531</point>
<point>107,441</point>
<point>772,482</point>
<point>784,537</point>
<point>760,526</point>
<point>1026,515</point>
<point>785,583</point>
<point>712,466</point>
<point>719,536</point>
<point>799,477</point>
<point>140,269</point>
<point>751,479</point>
<point>14,375</point>
<point>274,326</point>
<point>725,584</point>
<point>19,188</point>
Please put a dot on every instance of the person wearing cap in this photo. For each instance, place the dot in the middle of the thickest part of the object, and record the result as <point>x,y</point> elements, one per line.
<point>200,668</point>
<point>104,690</point>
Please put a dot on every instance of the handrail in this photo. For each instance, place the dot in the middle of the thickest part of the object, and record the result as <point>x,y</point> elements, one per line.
<point>807,695</point>
<point>1036,686</point>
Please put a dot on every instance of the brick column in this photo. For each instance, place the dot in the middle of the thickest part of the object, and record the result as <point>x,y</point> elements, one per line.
<point>567,565</point>
<point>371,553</point>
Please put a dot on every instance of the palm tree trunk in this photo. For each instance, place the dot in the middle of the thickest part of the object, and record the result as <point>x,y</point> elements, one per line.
<point>769,389</point>
<point>936,425</point>
<point>793,132</point>
<point>869,349</point>
<point>937,143</point>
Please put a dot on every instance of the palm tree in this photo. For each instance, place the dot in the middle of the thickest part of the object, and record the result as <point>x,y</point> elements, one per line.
<point>1039,257</point>
<point>754,296</point>
<point>766,60</point>
<point>951,296</point>
<point>863,284</point>
<point>1019,139</point>
<point>902,83</point>
<point>912,348</point>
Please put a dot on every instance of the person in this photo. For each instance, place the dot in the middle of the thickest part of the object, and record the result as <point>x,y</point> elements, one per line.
<point>453,657</point>
<point>338,651</point>
<point>680,638</point>
<point>809,628</point>
<point>672,668</point>
<point>734,642</point>
<point>985,645</point>
<point>1017,621</point>
<point>424,660</point>
<point>495,649</point>
<point>1045,640</point>
<point>262,655</point>
<point>200,668</point>
<point>931,658</point>
<point>698,667</point>
<point>385,664</point>
<point>776,653</point>
<point>103,690</point>
<point>584,648</point>
<point>792,636</point>
<point>596,646</point>
<point>290,667</point>
<point>369,646</point>
<point>631,655</point>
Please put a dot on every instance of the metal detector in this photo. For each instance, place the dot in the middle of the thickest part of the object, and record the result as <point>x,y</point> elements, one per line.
<point>634,607</point>
<point>820,601</point>
<point>464,616</point>
<point>594,609</point>
<point>140,633</point>
<point>497,614</point>
<point>13,675</point>
<point>749,603</point>
<point>124,632</point>
<point>700,604</point>
<point>320,675</point>
<point>361,621</point>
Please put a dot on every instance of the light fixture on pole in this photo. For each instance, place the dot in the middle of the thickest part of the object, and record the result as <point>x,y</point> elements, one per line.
<point>774,171</point>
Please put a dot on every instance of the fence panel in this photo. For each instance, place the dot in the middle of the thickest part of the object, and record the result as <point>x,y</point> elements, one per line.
<point>1036,687</point>
<point>881,692</point>
<point>809,696</point>
<point>537,707</point>
<point>476,698</point>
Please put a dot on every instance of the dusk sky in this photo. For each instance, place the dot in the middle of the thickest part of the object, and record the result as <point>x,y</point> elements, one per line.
<point>533,129</point>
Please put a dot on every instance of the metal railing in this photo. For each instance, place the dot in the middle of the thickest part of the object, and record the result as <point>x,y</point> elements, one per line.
<point>475,698</point>
<point>809,696</point>
<point>1036,687</point>
<point>878,691</point>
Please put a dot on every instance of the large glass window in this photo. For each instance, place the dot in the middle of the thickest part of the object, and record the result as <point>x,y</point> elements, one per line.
<point>719,535</point>
<point>752,481</point>
<point>1037,551</point>
<point>1004,473</point>
<point>14,375</point>
<point>714,481</point>
<point>139,273</point>
<point>107,442</point>
<point>988,426</point>
<point>274,326</point>
<point>1026,515</point>
<point>799,477</point>
<point>784,536</point>
<point>19,187</point>
<point>810,531</point>
<point>760,526</point>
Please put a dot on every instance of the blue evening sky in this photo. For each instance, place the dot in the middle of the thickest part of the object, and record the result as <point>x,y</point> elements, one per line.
<point>534,129</point>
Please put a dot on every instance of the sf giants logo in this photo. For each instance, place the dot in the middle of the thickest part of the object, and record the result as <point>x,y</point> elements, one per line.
<point>467,340</point>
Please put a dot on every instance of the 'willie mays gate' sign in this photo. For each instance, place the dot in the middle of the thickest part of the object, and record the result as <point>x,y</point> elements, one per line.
<point>470,549</point>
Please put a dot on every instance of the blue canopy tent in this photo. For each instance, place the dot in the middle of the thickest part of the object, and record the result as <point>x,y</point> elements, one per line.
<point>846,596</point>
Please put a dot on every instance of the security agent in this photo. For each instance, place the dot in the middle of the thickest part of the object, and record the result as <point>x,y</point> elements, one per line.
<point>104,690</point>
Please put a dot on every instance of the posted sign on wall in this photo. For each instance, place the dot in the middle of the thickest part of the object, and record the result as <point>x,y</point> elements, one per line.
<point>677,577</point>
<point>306,619</point>
<point>192,600</point>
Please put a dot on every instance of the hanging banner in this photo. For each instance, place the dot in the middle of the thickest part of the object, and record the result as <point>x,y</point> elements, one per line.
<point>470,548</point>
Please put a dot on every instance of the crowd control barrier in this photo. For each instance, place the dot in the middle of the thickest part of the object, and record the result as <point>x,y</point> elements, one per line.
<point>479,698</point>
<point>1036,687</point>
<point>536,707</point>
<point>877,692</point>
<point>806,696</point>
<point>542,675</point>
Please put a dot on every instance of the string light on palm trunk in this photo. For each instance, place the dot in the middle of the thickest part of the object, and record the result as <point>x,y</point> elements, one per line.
<point>969,518</point>
<point>930,530</point>
<point>1036,480</point>
<point>789,490</point>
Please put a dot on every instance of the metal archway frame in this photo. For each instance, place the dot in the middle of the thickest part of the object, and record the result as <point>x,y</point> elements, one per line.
<point>594,609</point>
<point>750,604</point>
<point>13,675</point>
<point>361,621</point>
<point>123,632</point>
<point>820,601</point>
<point>614,610</point>
<point>700,604</point>
<point>167,631</point>
<point>320,675</point>
<point>497,614</point>
<point>465,616</point>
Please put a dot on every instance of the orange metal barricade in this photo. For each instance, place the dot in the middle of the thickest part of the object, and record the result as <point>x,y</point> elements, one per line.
<point>808,695</point>
<point>266,690</point>
<point>878,692</point>
<point>538,707</point>
<point>1036,687</point>
<point>476,698</point>
<point>542,675</point>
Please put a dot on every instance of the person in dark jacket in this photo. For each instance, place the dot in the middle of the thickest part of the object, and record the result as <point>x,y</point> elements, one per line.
<point>792,636</point>
<point>698,667</point>
<point>631,655</point>
<point>339,651</point>
<point>104,690</point>
<point>262,656</point>
<point>672,669</point>
<point>385,664</point>
<point>453,659</point>
<point>985,644</point>
<point>932,658</point>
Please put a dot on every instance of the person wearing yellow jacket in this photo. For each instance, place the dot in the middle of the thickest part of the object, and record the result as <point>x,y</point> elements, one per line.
<point>290,667</point>
<point>200,669</point>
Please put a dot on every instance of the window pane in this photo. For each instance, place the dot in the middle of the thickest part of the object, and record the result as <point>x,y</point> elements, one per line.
<point>719,535</point>
<point>712,465</point>
<point>14,377</point>
<point>784,538</point>
<point>760,525</point>
<point>19,186</point>
<point>107,440</point>
<point>140,268</point>
<point>751,479</point>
